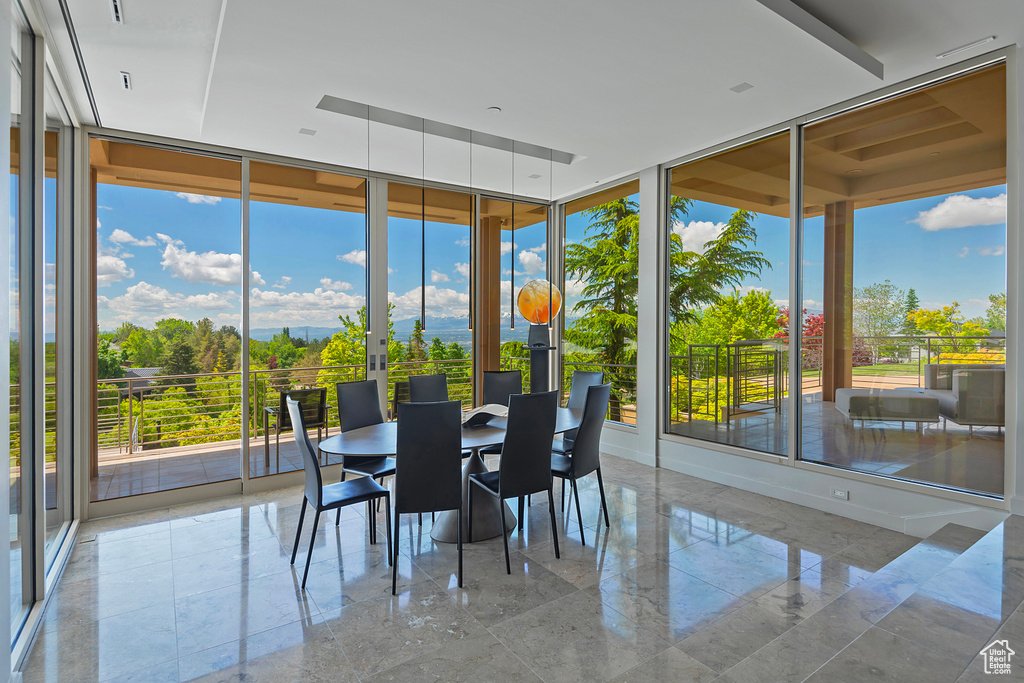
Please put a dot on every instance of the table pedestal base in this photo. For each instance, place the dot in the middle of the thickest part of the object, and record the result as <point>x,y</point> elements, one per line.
<point>486,514</point>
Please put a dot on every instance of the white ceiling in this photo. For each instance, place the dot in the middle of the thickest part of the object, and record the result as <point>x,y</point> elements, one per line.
<point>623,85</point>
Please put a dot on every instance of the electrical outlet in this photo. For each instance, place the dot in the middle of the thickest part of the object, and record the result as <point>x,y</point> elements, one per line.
<point>841,494</point>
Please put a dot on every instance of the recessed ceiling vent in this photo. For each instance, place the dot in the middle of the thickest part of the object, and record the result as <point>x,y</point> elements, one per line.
<point>116,12</point>
<point>126,80</point>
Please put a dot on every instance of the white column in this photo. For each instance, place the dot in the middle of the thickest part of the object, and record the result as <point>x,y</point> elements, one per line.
<point>1014,282</point>
<point>649,356</point>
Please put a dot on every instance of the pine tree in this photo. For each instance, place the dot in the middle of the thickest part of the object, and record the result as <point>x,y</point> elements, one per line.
<point>911,304</point>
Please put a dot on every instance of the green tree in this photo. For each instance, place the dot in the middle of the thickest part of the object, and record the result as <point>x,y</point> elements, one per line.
<point>752,316</point>
<point>995,314</point>
<point>879,310</point>
<point>108,361</point>
<point>417,348</point>
<point>179,359</point>
<point>948,321</point>
<point>437,350</point>
<point>911,304</point>
<point>455,351</point>
<point>144,348</point>
<point>607,262</point>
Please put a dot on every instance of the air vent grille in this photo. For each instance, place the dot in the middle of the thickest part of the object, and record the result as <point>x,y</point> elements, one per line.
<point>116,12</point>
<point>126,80</point>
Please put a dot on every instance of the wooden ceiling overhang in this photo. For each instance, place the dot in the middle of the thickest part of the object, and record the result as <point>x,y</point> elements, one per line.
<point>949,137</point>
<point>119,163</point>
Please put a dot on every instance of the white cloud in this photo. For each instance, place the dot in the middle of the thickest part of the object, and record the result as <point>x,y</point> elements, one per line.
<point>538,250</point>
<point>356,256</point>
<point>574,288</point>
<point>197,198</point>
<point>992,251</point>
<point>105,208</point>
<point>961,211</point>
<point>963,252</point>
<point>256,279</point>
<point>209,267</point>
<point>532,263</point>
<point>334,286</point>
<point>319,308</point>
<point>110,269</point>
<point>144,303</point>
<point>282,283</point>
<point>506,248</point>
<point>462,270</point>
<point>437,276</point>
<point>123,237</point>
<point>696,234</point>
<point>746,289</point>
<point>464,242</point>
<point>440,301</point>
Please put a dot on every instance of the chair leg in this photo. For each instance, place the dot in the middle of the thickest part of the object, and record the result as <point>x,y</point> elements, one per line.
<point>420,518</point>
<point>604,504</point>
<point>521,515</point>
<point>563,494</point>
<point>373,524</point>
<point>460,547</point>
<point>554,529</point>
<point>504,535</point>
<point>298,532</point>
<point>387,522</point>
<point>394,556</point>
<point>579,513</point>
<point>469,524</point>
<point>309,555</point>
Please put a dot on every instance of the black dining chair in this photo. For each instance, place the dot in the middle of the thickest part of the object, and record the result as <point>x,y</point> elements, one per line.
<point>314,410</point>
<point>429,458</point>
<point>525,465</point>
<point>399,396</point>
<point>586,450</point>
<point>332,496</point>
<point>581,381</point>
<point>359,406</point>
<point>498,385</point>
<point>424,388</point>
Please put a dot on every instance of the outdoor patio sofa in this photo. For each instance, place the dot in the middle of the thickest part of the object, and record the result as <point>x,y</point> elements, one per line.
<point>968,394</point>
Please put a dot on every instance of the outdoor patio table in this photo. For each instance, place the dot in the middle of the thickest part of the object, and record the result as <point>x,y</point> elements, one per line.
<point>381,439</point>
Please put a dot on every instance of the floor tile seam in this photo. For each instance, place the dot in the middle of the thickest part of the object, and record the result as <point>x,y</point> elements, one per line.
<point>928,648</point>
<point>513,652</point>
<point>125,674</point>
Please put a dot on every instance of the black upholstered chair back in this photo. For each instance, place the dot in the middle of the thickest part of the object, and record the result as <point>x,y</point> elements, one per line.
<point>586,449</point>
<point>525,466</point>
<point>313,403</point>
<point>358,404</point>
<point>428,459</point>
<point>428,388</point>
<point>581,381</point>
<point>314,483</point>
<point>500,384</point>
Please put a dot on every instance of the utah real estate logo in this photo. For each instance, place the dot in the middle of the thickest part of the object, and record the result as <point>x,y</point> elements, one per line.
<point>997,656</point>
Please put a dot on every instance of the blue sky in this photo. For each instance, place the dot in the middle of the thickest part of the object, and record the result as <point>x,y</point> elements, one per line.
<point>165,254</point>
<point>948,248</point>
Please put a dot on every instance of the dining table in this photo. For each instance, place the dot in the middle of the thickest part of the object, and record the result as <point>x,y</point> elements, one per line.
<point>381,440</point>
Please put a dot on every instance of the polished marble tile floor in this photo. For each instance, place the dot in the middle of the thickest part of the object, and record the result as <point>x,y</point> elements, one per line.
<point>693,581</point>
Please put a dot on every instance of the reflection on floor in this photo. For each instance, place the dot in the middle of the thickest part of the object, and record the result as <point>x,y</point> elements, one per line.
<point>941,453</point>
<point>170,468</point>
<point>694,581</point>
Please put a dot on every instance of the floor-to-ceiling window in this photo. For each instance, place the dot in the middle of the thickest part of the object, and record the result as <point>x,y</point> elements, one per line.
<point>728,296</point>
<point>17,600</point>
<point>430,326</point>
<point>168,307</point>
<point>307,302</point>
<point>904,279</point>
<point>601,274</point>
<point>513,249</point>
